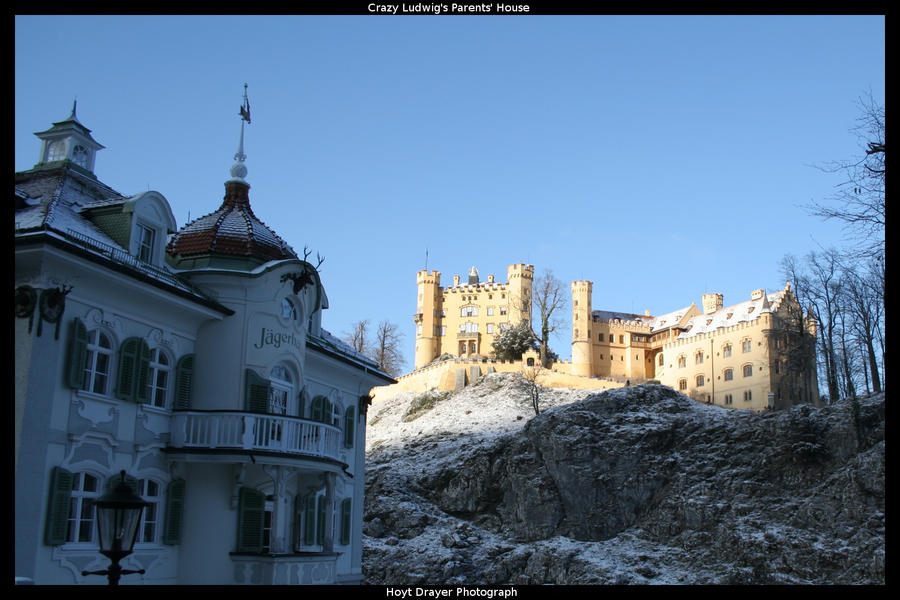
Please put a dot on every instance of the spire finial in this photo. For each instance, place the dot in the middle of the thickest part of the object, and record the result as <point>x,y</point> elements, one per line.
<point>238,169</point>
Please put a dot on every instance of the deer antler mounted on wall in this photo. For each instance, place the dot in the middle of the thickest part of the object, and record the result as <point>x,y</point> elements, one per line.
<point>305,277</point>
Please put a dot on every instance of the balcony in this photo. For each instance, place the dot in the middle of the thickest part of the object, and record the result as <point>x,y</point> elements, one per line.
<point>256,432</point>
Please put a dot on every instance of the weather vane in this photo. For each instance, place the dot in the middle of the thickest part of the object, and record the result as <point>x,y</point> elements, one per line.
<point>238,169</point>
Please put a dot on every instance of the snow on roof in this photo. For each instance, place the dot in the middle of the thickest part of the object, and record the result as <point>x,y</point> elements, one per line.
<point>669,319</point>
<point>731,315</point>
<point>656,323</point>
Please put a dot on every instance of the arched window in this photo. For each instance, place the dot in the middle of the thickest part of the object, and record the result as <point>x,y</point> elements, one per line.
<point>682,384</point>
<point>149,491</point>
<point>701,380</point>
<point>85,490</point>
<point>746,345</point>
<point>682,361</point>
<point>281,391</point>
<point>748,370</point>
<point>728,375</point>
<point>97,361</point>
<point>726,350</point>
<point>288,310</point>
<point>698,357</point>
<point>159,377</point>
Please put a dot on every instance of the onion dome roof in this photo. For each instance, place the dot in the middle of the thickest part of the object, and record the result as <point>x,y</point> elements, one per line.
<point>232,230</point>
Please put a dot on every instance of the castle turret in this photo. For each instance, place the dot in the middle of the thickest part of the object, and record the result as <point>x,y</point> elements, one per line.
<point>521,278</point>
<point>582,354</point>
<point>427,345</point>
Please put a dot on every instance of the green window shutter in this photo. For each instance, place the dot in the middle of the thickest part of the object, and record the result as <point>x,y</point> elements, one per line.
<point>309,521</point>
<point>77,354</point>
<point>251,517</point>
<point>320,520</point>
<point>174,513</point>
<point>349,423</point>
<point>345,521</point>
<point>58,507</point>
<point>134,366</point>
<point>184,382</point>
<point>256,392</point>
<point>142,374</point>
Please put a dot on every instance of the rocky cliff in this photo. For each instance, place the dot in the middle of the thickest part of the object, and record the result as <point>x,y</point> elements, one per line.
<point>635,485</point>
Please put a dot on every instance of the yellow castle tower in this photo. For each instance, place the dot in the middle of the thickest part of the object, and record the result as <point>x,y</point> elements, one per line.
<point>466,318</point>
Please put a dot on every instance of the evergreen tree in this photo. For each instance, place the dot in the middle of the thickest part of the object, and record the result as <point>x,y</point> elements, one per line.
<point>514,342</point>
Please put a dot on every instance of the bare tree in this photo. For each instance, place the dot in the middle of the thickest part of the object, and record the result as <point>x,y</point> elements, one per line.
<point>817,285</point>
<point>860,198</point>
<point>357,338</point>
<point>530,375</point>
<point>386,348</point>
<point>550,300</point>
<point>865,307</point>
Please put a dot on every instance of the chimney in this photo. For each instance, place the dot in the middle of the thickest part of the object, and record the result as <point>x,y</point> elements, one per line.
<point>712,303</point>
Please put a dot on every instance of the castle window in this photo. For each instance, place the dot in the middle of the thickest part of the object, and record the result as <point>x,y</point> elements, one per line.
<point>728,399</point>
<point>490,328</point>
<point>621,339</point>
<point>502,310</point>
<point>746,345</point>
<point>600,339</point>
<point>469,311</point>
<point>682,361</point>
<point>682,384</point>
<point>726,350</point>
<point>490,311</point>
<point>748,370</point>
<point>729,374</point>
<point>660,360</point>
<point>700,380</point>
<point>748,396</point>
<point>698,357</point>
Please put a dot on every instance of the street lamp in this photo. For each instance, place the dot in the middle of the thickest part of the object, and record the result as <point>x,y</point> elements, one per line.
<point>118,516</point>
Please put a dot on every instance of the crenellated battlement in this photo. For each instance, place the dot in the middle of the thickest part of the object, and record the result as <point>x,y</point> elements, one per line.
<point>428,277</point>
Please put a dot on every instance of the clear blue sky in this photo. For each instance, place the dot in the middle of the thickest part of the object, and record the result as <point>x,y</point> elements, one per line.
<point>660,157</point>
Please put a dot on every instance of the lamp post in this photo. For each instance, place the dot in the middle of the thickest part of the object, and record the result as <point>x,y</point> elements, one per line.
<point>118,516</point>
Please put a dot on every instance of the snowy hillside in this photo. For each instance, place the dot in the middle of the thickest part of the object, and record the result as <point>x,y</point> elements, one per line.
<point>630,486</point>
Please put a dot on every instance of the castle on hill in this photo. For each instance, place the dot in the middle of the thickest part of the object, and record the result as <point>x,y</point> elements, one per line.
<point>757,354</point>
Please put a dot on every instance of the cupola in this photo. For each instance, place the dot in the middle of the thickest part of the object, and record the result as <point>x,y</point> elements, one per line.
<point>68,140</point>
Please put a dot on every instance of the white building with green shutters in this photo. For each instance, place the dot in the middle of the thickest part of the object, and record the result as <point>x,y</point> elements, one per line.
<point>195,360</point>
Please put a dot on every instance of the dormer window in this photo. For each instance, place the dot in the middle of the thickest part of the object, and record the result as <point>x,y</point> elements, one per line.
<point>146,243</point>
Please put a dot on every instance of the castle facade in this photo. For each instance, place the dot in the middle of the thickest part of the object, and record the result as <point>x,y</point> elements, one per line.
<point>465,319</point>
<point>757,354</point>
